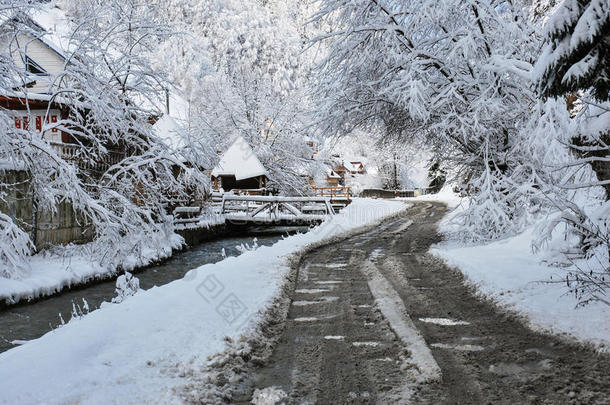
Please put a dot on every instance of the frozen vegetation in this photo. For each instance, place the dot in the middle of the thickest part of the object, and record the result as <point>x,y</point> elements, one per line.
<point>51,271</point>
<point>509,104</point>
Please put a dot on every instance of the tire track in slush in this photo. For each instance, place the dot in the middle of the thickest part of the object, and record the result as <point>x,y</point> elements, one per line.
<point>348,352</point>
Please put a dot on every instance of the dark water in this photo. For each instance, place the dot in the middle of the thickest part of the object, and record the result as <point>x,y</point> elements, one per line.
<point>31,321</point>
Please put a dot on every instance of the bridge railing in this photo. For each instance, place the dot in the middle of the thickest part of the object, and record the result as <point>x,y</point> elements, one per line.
<point>195,217</point>
<point>270,209</point>
<point>333,192</point>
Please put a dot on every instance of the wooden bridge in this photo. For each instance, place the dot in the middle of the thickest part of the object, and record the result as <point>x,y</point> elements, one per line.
<point>257,210</point>
<point>275,210</point>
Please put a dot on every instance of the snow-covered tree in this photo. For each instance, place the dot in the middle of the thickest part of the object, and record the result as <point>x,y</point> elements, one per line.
<point>577,51</point>
<point>454,72</point>
<point>574,65</point>
<point>109,91</point>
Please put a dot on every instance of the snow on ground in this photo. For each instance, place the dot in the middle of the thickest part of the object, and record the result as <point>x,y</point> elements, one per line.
<point>135,352</point>
<point>511,274</point>
<point>62,267</point>
<point>52,271</point>
<point>446,195</point>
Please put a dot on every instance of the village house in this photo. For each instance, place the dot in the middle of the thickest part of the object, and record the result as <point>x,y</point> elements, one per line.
<point>332,178</point>
<point>34,106</point>
<point>341,169</point>
<point>240,170</point>
<point>32,103</point>
<point>356,167</point>
<point>329,178</point>
<point>32,50</point>
<point>41,61</point>
<point>351,167</point>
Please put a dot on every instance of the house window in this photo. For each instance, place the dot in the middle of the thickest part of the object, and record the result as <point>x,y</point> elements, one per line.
<point>17,123</point>
<point>38,123</point>
<point>26,123</point>
<point>54,121</point>
<point>34,68</point>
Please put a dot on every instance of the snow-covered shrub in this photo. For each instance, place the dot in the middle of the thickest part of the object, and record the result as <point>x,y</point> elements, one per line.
<point>126,286</point>
<point>246,247</point>
<point>78,311</point>
<point>15,244</point>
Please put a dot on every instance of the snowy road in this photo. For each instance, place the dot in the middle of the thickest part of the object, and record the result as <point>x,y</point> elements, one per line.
<point>374,319</point>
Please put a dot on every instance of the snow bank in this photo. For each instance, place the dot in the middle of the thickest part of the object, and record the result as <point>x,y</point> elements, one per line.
<point>511,274</point>
<point>446,195</point>
<point>64,267</point>
<point>138,351</point>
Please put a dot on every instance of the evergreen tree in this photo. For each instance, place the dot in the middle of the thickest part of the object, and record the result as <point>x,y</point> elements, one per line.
<point>577,54</point>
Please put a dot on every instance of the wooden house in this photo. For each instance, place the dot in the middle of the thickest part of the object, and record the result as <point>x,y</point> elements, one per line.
<point>239,169</point>
<point>30,48</point>
<point>41,60</point>
<point>341,169</point>
<point>34,104</point>
<point>332,178</point>
<point>356,167</point>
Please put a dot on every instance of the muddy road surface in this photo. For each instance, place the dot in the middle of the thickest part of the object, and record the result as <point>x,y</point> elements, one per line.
<point>375,319</point>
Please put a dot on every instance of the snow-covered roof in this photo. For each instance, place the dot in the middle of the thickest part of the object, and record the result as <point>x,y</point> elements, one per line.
<point>35,97</point>
<point>178,105</point>
<point>57,27</point>
<point>332,175</point>
<point>170,132</point>
<point>349,166</point>
<point>352,165</point>
<point>239,161</point>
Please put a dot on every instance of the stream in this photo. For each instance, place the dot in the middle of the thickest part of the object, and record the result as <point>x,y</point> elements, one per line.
<point>30,321</point>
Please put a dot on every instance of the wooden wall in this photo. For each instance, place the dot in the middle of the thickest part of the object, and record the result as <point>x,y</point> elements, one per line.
<point>46,228</point>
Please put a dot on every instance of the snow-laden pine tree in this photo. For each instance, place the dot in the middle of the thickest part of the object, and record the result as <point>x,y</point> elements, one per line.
<point>573,73</point>
<point>577,51</point>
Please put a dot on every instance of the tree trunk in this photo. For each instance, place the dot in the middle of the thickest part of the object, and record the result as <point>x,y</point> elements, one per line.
<point>601,168</point>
